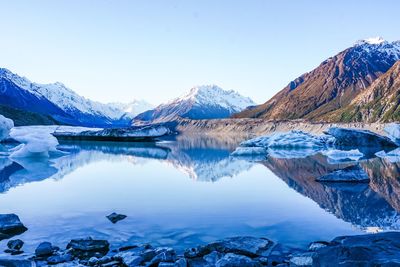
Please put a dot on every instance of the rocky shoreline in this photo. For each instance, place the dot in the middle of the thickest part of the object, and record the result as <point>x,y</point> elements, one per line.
<point>381,249</point>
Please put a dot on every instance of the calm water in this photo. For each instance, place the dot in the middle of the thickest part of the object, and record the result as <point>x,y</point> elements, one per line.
<point>182,193</point>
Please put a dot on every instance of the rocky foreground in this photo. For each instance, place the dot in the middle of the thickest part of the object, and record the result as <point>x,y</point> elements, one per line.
<point>381,249</point>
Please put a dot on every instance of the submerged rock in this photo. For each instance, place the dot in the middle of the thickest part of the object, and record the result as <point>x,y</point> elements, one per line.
<point>381,249</point>
<point>351,174</point>
<point>10,225</point>
<point>359,138</point>
<point>114,217</point>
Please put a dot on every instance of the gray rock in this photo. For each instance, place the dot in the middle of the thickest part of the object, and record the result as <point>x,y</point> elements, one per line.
<point>15,244</point>
<point>213,257</point>
<point>164,255</point>
<point>243,245</point>
<point>114,217</point>
<point>56,259</point>
<point>87,247</point>
<point>233,260</point>
<point>302,260</point>
<point>44,249</point>
<point>382,249</point>
<point>129,258</point>
<point>182,262</point>
<point>351,174</point>
<point>10,225</point>
<point>359,138</point>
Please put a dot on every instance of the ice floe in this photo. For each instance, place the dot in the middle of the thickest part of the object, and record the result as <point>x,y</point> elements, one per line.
<point>35,144</point>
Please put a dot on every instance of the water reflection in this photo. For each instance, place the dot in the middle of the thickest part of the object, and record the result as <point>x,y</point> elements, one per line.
<point>272,212</point>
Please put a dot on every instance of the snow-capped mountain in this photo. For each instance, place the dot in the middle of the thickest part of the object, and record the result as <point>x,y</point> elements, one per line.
<point>63,104</point>
<point>201,102</point>
<point>332,85</point>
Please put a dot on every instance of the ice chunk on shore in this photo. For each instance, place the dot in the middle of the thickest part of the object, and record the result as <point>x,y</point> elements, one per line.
<point>392,156</point>
<point>336,155</point>
<point>393,131</point>
<point>5,127</point>
<point>33,143</point>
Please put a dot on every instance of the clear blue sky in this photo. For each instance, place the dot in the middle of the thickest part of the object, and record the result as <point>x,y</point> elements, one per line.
<point>121,50</point>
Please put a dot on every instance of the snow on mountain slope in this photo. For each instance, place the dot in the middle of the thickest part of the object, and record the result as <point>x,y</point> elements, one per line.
<point>85,111</point>
<point>201,102</point>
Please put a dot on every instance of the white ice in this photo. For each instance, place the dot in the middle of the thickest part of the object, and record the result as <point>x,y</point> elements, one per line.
<point>36,144</point>
<point>393,131</point>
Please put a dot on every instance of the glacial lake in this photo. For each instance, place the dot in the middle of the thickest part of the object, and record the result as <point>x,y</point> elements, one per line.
<point>190,191</point>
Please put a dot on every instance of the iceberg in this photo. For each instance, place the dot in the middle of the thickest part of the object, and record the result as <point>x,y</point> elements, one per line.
<point>33,144</point>
<point>5,127</point>
<point>392,156</point>
<point>393,131</point>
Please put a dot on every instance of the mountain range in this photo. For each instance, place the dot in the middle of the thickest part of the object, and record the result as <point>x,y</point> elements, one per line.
<point>350,86</point>
<point>200,102</point>
<point>359,84</point>
<point>55,103</point>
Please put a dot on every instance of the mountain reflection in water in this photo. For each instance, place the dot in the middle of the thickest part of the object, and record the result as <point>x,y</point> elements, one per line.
<point>368,207</point>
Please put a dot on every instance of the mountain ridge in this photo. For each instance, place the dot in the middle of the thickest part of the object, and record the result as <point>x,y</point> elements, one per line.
<point>332,85</point>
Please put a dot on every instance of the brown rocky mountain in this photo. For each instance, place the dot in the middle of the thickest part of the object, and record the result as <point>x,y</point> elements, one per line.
<point>378,103</point>
<point>332,85</point>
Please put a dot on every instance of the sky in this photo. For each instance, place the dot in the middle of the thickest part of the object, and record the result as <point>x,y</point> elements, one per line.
<point>156,50</point>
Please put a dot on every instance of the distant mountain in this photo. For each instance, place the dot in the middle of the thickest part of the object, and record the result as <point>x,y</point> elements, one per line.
<point>380,102</point>
<point>201,102</point>
<point>61,103</point>
<point>332,85</point>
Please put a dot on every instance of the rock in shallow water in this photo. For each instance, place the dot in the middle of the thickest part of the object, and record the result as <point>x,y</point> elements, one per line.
<point>381,249</point>
<point>85,248</point>
<point>15,244</point>
<point>243,245</point>
<point>44,249</point>
<point>114,217</point>
<point>10,225</point>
